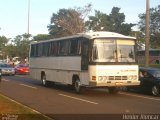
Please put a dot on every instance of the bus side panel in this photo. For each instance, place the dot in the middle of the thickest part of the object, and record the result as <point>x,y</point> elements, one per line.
<point>35,73</point>
<point>57,63</point>
<point>57,69</point>
<point>84,78</point>
<point>61,76</point>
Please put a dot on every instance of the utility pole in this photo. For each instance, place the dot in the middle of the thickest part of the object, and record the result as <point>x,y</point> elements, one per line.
<point>28,16</point>
<point>147,46</point>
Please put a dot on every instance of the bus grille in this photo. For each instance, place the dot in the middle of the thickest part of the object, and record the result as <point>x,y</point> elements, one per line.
<point>104,78</point>
<point>117,78</point>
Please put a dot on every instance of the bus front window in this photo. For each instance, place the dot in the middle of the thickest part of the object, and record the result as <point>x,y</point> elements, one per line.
<point>125,49</point>
<point>105,50</point>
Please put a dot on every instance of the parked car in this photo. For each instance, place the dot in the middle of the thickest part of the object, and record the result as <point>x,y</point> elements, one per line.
<point>7,69</point>
<point>22,69</point>
<point>149,80</point>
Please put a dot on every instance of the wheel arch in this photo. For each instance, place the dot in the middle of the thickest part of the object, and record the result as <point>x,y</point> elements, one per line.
<point>74,77</point>
<point>42,74</point>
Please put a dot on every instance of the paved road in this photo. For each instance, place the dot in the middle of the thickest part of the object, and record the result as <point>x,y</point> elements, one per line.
<point>60,101</point>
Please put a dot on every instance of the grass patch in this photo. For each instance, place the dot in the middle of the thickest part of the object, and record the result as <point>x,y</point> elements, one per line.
<point>10,109</point>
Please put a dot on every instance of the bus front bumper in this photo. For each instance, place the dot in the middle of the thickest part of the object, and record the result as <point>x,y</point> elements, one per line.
<point>113,83</point>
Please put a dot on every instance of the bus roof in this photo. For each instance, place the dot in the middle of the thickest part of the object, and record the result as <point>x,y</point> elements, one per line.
<point>105,34</point>
<point>92,35</point>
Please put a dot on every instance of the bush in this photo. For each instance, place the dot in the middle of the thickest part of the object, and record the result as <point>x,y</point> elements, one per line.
<point>151,65</point>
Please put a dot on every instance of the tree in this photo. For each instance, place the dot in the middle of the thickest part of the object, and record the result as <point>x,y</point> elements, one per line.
<point>68,21</point>
<point>22,45</point>
<point>41,37</point>
<point>98,22</point>
<point>154,26</point>
<point>10,51</point>
<point>140,39</point>
<point>3,43</point>
<point>113,22</point>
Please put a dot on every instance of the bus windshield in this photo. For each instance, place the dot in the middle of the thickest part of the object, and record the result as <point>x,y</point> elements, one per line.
<point>105,50</point>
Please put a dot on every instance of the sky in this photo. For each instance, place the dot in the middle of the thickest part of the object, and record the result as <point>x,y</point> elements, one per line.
<point>14,13</point>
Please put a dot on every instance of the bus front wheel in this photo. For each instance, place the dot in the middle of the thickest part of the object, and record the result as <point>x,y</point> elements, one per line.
<point>77,86</point>
<point>113,90</point>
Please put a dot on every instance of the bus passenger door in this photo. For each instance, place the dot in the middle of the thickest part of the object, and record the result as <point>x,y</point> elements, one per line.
<point>85,54</point>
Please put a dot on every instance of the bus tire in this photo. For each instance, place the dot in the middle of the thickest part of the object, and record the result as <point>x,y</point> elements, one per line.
<point>44,81</point>
<point>77,86</point>
<point>113,90</point>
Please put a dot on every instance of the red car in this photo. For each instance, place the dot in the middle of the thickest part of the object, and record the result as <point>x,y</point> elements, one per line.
<point>22,69</point>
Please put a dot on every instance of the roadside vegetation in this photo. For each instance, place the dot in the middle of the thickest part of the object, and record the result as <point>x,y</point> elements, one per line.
<point>70,21</point>
<point>12,110</point>
<point>152,65</point>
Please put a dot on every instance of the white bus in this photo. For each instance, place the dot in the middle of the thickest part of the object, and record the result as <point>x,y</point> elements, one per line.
<point>95,59</point>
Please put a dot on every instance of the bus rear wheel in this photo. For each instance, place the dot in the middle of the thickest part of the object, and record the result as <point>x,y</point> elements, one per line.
<point>44,81</point>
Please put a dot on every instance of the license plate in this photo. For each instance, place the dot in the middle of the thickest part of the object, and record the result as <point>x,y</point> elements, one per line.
<point>119,83</point>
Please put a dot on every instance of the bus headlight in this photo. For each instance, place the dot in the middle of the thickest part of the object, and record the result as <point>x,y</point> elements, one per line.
<point>132,77</point>
<point>102,78</point>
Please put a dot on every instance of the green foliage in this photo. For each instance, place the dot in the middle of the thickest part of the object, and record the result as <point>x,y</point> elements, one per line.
<point>140,38</point>
<point>10,50</point>
<point>22,45</point>
<point>151,65</point>
<point>154,26</point>
<point>41,37</point>
<point>3,44</point>
<point>18,47</point>
<point>71,21</point>
<point>113,22</point>
<point>139,35</point>
<point>68,21</point>
<point>98,22</point>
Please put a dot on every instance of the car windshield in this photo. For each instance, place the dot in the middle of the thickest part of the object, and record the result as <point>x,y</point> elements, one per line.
<point>5,66</point>
<point>105,50</point>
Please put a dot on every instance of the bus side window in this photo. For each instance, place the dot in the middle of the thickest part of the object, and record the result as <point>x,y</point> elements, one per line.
<point>75,46</point>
